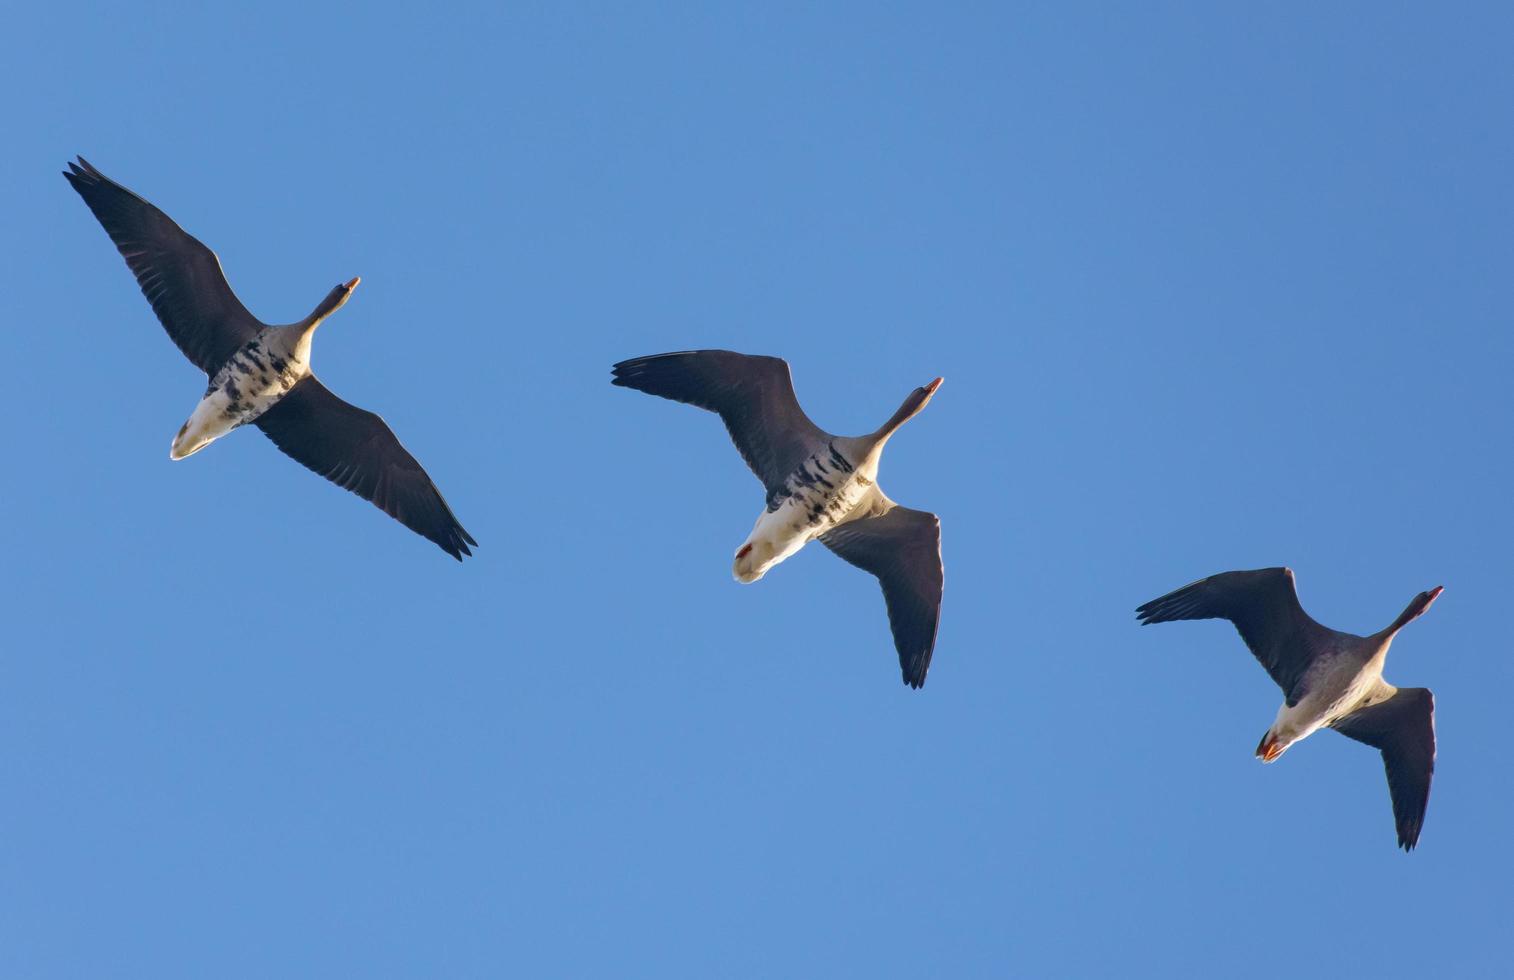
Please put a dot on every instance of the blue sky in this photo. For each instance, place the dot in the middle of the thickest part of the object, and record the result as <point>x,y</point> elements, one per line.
<point>1209,289</point>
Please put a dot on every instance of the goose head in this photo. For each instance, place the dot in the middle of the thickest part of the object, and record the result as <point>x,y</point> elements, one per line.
<point>334,301</point>
<point>914,403</point>
<point>1417,607</point>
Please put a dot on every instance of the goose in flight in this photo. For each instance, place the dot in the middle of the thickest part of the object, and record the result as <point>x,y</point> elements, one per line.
<point>818,485</point>
<point>261,373</point>
<point>1329,679</point>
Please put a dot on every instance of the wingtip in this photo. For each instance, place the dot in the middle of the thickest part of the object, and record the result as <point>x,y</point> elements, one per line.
<point>81,174</point>
<point>914,672</point>
<point>459,547</point>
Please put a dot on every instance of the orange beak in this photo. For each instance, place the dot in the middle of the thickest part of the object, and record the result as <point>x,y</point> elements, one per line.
<point>930,389</point>
<point>353,284</point>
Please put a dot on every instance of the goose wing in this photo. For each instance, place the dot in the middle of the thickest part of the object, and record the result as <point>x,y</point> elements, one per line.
<point>180,277</point>
<point>356,450</point>
<point>903,549</point>
<point>1264,607</point>
<point>1403,729</point>
<point>753,395</point>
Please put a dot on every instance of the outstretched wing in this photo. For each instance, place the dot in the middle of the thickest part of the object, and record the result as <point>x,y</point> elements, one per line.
<point>357,451</point>
<point>180,277</point>
<point>753,395</point>
<point>903,549</point>
<point>1265,609</point>
<point>1403,729</point>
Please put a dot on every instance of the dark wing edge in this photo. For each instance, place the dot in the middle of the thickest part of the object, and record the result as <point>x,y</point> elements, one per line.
<point>179,275</point>
<point>753,394</point>
<point>356,450</point>
<point>1262,604</point>
<point>902,548</point>
<point>1403,729</point>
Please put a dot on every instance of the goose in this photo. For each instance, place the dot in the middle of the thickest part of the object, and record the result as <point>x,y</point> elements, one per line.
<point>261,373</point>
<point>818,485</point>
<point>1329,679</point>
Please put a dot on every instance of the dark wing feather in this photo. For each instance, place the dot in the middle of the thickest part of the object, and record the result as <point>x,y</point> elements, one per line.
<point>357,451</point>
<point>180,277</point>
<point>1265,609</point>
<point>753,395</point>
<point>1403,729</point>
<point>903,549</point>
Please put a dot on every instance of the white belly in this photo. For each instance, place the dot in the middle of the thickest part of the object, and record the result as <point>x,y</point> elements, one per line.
<point>808,509</point>
<point>1331,699</point>
<point>250,384</point>
<point>776,535</point>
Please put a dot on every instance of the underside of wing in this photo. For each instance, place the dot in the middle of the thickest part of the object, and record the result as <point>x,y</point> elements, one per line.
<point>180,277</point>
<point>1403,729</point>
<point>903,549</point>
<point>356,450</point>
<point>1264,607</point>
<point>753,395</point>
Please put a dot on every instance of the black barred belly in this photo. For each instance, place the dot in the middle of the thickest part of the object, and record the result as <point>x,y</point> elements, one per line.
<point>251,382</point>
<point>821,492</point>
<point>248,385</point>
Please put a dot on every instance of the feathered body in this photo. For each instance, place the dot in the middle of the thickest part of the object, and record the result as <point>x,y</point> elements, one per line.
<point>1345,676</point>
<point>260,372</point>
<point>827,490</point>
<point>819,485</point>
<point>1329,679</point>
<point>263,371</point>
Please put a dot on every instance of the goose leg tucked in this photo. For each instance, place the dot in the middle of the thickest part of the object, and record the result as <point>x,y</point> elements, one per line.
<point>818,485</point>
<point>1329,678</point>
<point>777,535</point>
<point>815,499</point>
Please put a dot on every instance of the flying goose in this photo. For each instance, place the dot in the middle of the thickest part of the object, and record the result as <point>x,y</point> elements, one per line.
<point>1329,679</point>
<point>261,373</point>
<point>818,485</point>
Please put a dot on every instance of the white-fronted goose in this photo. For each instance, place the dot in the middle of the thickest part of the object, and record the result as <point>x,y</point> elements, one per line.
<point>261,373</point>
<point>1329,678</point>
<point>818,485</point>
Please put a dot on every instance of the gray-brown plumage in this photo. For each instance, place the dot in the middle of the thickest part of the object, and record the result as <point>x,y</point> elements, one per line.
<point>1329,678</point>
<point>818,485</point>
<point>260,373</point>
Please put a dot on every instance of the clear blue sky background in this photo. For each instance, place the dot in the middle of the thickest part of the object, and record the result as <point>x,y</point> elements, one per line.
<point>1210,290</point>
